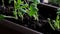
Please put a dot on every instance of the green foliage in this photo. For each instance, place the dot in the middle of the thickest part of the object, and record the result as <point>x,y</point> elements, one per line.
<point>58,11</point>
<point>55,1</point>
<point>55,24</point>
<point>49,20</point>
<point>20,8</point>
<point>33,9</point>
<point>2,3</point>
<point>1,17</point>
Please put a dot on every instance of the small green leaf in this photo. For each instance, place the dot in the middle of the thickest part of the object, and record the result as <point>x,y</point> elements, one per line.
<point>1,17</point>
<point>19,2</point>
<point>33,10</point>
<point>58,11</point>
<point>24,6</point>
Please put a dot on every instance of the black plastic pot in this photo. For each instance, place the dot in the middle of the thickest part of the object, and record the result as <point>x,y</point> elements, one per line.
<point>18,27</point>
<point>54,4</point>
<point>47,11</point>
<point>6,30</point>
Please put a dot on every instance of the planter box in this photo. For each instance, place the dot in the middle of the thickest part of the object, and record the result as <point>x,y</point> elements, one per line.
<point>18,27</point>
<point>47,11</point>
<point>6,30</point>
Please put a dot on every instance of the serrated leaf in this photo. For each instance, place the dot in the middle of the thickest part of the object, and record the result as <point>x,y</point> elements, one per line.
<point>33,10</point>
<point>19,2</point>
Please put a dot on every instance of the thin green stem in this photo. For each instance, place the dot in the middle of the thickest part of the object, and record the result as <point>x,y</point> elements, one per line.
<point>3,3</point>
<point>51,24</point>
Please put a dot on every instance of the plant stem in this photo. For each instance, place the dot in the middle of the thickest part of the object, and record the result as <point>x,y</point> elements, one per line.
<point>51,24</point>
<point>3,3</point>
<point>10,17</point>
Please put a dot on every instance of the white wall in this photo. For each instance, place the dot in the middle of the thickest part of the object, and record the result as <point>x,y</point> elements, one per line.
<point>45,1</point>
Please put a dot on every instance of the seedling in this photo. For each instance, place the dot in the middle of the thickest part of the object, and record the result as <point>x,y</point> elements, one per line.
<point>55,24</point>
<point>3,3</point>
<point>33,10</point>
<point>25,8</point>
<point>20,8</point>
<point>1,17</point>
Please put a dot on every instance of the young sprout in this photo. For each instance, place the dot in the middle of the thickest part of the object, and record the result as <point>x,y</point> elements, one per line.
<point>56,22</point>
<point>49,20</point>
<point>3,3</point>
<point>1,17</point>
<point>21,8</point>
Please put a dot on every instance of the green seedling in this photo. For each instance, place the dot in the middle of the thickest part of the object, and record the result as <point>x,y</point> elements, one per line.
<point>31,11</point>
<point>1,17</point>
<point>20,8</point>
<point>3,3</point>
<point>55,24</point>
